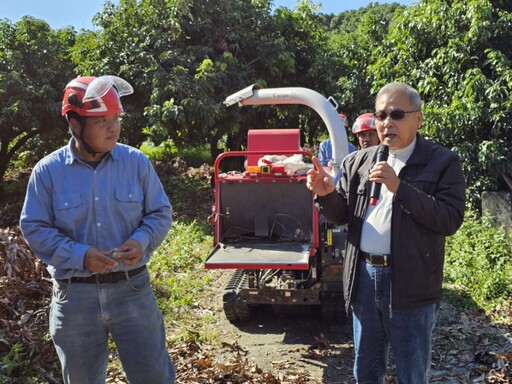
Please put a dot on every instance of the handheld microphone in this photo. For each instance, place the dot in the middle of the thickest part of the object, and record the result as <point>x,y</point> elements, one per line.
<point>382,155</point>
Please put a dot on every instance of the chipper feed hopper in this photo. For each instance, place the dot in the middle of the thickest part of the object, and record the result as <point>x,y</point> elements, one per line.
<point>266,227</point>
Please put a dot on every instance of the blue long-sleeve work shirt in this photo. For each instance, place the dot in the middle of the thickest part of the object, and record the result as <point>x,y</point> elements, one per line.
<point>325,151</point>
<point>71,206</point>
<point>325,155</point>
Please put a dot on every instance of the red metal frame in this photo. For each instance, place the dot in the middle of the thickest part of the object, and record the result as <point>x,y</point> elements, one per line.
<point>217,209</point>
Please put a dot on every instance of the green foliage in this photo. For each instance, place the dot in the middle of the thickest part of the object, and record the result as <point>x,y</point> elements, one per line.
<point>211,49</point>
<point>176,268</point>
<point>478,260</point>
<point>16,362</point>
<point>184,57</point>
<point>195,157</point>
<point>458,54</point>
<point>356,35</point>
<point>164,151</point>
<point>13,359</point>
<point>34,69</point>
<point>313,63</point>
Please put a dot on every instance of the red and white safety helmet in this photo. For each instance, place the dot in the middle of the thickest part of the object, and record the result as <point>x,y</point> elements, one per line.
<point>364,122</point>
<point>95,96</point>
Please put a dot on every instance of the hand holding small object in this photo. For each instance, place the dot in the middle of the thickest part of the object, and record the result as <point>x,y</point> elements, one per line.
<point>129,253</point>
<point>98,261</point>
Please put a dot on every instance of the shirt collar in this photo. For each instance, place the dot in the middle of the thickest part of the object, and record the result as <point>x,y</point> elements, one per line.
<point>404,153</point>
<point>115,153</point>
<point>71,155</point>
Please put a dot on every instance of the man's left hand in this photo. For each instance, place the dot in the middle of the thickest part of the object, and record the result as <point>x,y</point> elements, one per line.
<point>130,252</point>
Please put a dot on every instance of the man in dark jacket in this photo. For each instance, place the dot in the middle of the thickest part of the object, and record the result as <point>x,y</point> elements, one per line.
<point>393,269</point>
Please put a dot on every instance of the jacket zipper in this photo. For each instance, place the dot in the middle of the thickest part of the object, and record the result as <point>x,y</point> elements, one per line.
<point>391,261</point>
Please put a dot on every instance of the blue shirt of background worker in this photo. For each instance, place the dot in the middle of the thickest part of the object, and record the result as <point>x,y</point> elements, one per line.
<point>325,148</point>
<point>325,152</point>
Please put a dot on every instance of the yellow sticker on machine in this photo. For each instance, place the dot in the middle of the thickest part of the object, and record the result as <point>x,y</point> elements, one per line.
<point>329,236</point>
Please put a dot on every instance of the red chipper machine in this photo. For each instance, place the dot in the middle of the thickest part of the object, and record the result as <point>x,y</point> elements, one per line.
<point>267,230</point>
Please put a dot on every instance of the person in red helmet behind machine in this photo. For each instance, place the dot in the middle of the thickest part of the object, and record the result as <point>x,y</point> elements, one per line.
<point>364,129</point>
<point>94,211</point>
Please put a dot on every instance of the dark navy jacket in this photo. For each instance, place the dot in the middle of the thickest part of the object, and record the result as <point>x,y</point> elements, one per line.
<point>427,207</point>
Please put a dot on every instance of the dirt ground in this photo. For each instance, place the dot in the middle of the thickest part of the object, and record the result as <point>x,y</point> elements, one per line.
<point>299,347</point>
<point>293,342</point>
<point>290,345</point>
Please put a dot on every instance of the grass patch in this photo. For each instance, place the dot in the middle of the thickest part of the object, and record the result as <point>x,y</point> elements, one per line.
<point>195,157</point>
<point>478,263</point>
<point>459,297</point>
<point>179,277</point>
<point>165,150</point>
<point>182,284</point>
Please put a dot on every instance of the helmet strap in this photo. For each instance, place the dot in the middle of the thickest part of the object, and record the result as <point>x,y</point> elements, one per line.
<point>80,136</point>
<point>84,144</point>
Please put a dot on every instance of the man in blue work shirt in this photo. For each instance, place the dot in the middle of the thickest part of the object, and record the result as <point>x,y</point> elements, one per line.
<point>94,211</point>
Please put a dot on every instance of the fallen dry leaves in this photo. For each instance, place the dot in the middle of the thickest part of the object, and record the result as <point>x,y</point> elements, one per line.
<point>196,364</point>
<point>24,298</point>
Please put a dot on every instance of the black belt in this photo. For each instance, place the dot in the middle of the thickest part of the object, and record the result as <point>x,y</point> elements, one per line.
<point>375,259</point>
<point>108,278</point>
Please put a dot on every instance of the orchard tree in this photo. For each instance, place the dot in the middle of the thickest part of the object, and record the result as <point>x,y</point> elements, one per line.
<point>186,56</point>
<point>315,65</point>
<point>183,57</point>
<point>356,36</point>
<point>458,53</point>
<point>34,70</point>
<point>136,41</point>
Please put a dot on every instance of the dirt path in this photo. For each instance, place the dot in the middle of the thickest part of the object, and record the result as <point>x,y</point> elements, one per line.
<point>295,344</point>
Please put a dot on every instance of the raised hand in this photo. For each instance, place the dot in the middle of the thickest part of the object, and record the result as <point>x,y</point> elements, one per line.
<point>318,180</point>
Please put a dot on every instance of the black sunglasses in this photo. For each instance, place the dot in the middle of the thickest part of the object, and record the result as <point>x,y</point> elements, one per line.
<point>396,114</point>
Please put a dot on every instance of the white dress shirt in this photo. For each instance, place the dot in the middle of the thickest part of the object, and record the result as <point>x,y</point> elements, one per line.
<point>376,231</point>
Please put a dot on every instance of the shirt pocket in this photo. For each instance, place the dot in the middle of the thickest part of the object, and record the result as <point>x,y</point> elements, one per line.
<point>68,208</point>
<point>65,202</point>
<point>424,181</point>
<point>127,207</point>
<point>128,194</point>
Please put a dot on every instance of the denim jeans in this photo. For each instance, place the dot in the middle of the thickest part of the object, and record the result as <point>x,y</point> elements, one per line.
<point>82,316</point>
<point>376,328</point>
